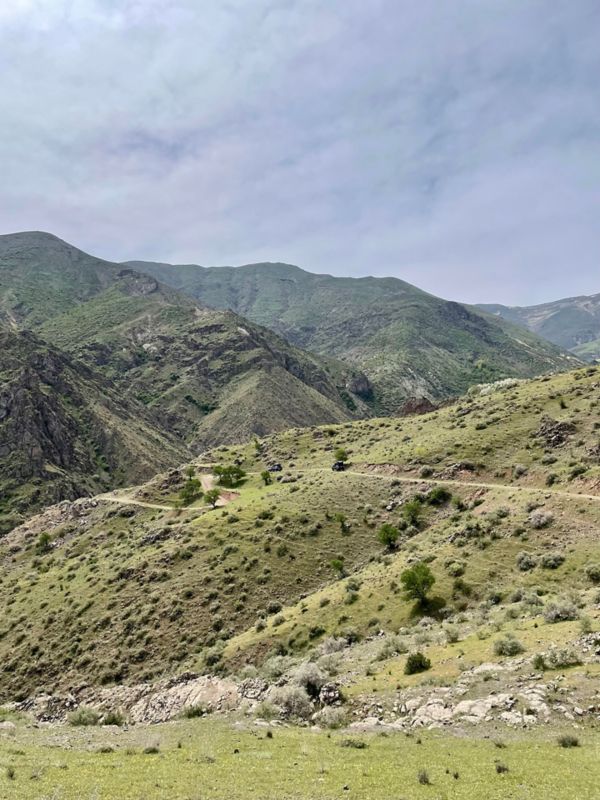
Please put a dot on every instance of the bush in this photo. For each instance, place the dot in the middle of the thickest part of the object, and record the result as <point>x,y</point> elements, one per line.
<point>508,646</point>
<point>552,560</point>
<point>540,519</point>
<point>114,718</point>
<point>416,662</point>
<point>561,657</point>
<point>592,573</point>
<point>438,496</point>
<point>525,561</point>
<point>309,677</point>
<point>560,612</point>
<point>392,646</point>
<point>293,701</point>
<point>84,716</point>
<point>568,741</point>
<point>266,710</point>
<point>331,717</point>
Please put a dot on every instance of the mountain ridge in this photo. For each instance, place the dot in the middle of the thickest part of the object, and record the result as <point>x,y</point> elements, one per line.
<point>408,342</point>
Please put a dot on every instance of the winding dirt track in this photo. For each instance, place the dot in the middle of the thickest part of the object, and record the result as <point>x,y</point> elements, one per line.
<point>227,496</point>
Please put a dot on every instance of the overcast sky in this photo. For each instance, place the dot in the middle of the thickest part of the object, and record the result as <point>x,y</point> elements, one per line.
<point>452,143</point>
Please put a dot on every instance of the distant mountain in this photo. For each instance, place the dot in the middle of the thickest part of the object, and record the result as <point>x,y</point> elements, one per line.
<point>65,431</point>
<point>207,376</point>
<point>409,343</point>
<point>572,323</point>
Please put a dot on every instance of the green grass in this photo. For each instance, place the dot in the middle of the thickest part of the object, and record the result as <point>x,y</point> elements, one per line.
<point>211,759</point>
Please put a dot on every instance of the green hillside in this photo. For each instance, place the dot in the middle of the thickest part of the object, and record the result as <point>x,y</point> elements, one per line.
<point>202,375</point>
<point>409,343</point>
<point>572,323</point>
<point>148,588</point>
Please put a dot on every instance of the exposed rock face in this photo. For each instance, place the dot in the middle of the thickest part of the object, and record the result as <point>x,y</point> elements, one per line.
<point>416,405</point>
<point>64,431</point>
<point>555,433</point>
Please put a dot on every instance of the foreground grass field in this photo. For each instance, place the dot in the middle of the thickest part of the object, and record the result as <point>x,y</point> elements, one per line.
<point>209,758</point>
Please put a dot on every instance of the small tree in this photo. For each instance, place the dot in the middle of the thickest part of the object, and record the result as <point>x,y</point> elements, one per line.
<point>341,455</point>
<point>388,535</point>
<point>43,544</point>
<point>411,512</point>
<point>266,476</point>
<point>417,582</point>
<point>212,497</point>
<point>230,475</point>
<point>191,490</point>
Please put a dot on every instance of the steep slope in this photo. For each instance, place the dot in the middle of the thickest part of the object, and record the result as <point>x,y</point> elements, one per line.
<point>208,376</point>
<point>409,343</point>
<point>66,432</point>
<point>130,587</point>
<point>572,323</point>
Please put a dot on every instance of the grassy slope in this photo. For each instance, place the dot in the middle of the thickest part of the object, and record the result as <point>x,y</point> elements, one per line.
<point>408,342</point>
<point>114,603</point>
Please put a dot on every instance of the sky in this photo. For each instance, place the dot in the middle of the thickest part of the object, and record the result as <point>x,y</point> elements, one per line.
<point>451,143</point>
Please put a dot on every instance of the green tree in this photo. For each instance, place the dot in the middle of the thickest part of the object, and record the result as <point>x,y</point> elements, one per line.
<point>266,476</point>
<point>388,535</point>
<point>417,582</point>
<point>229,475</point>
<point>190,491</point>
<point>412,510</point>
<point>212,496</point>
<point>341,455</point>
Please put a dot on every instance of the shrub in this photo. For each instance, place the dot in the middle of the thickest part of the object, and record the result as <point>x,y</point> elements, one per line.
<point>193,712</point>
<point>416,662</point>
<point>508,646</point>
<point>540,519</point>
<point>560,612</point>
<point>423,777</point>
<point>438,496</point>
<point>309,677</point>
<point>43,544</point>
<point>331,717</point>
<point>525,561</point>
<point>552,560</point>
<point>501,768</point>
<point>84,716</point>
<point>561,657</point>
<point>341,455</point>
<point>293,701</point>
<point>392,646</point>
<point>592,573</point>
<point>568,740</point>
<point>266,710</point>
<point>114,718</point>
<point>356,744</point>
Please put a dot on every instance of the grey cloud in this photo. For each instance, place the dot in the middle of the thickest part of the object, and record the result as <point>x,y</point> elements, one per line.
<point>454,145</point>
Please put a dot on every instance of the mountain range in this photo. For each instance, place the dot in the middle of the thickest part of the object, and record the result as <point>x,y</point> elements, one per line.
<point>409,343</point>
<point>572,323</point>
<point>112,372</point>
